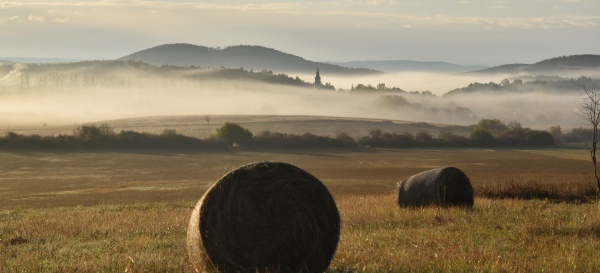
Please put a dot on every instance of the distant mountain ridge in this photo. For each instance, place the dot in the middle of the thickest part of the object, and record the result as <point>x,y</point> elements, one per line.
<point>36,60</point>
<point>241,56</point>
<point>573,62</point>
<point>392,66</point>
<point>2,61</point>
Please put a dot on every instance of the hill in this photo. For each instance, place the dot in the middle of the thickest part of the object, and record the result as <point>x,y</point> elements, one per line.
<point>242,56</point>
<point>407,65</point>
<point>564,63</point>
<point>5,68</point>
<point>118,73</point>
<point>36,60</point>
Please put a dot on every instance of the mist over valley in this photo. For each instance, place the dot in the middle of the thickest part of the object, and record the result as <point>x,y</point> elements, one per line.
<point>169,81</point>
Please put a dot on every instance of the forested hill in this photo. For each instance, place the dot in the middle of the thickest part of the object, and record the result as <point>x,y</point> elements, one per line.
<point>564,63</point>
<point>393,66</point>
<point>120,73</point>
<point>242,56</point>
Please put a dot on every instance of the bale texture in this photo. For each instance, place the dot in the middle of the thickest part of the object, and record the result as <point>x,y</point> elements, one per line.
<point>264,217</point>
<point>444,187</point>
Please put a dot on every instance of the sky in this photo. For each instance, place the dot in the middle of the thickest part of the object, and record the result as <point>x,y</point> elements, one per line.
<point>467,32</point>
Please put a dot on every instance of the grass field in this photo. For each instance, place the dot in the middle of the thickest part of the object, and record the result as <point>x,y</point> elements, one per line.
<point>111,211</point>
<point>199,127</point>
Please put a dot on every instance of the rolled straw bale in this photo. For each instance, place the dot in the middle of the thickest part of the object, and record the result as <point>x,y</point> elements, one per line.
<point>264,217</point>
<point>446,186</point>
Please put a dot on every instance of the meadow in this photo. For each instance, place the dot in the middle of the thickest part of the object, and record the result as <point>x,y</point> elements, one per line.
<point>128,212</point>
<point>205,126</point>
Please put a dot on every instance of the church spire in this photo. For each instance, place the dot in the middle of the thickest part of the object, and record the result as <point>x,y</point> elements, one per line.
<point>318,78</point>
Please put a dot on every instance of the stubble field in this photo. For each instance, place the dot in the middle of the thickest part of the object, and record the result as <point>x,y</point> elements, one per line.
<point>114,211</point>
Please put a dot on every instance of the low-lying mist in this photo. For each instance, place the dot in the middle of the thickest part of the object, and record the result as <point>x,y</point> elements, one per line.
<point>436,83</point>
<point>76,98</point>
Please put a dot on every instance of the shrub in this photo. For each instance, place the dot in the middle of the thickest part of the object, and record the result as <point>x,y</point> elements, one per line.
<point>536,137</point>
<point>481,136</point>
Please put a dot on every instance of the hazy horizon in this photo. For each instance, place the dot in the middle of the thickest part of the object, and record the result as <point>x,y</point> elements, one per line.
<point>128,93</point>
<point>461,32</point>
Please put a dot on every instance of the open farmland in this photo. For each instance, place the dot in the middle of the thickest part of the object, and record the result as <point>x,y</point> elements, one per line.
<point>113,211</point>
<point>205,126</point>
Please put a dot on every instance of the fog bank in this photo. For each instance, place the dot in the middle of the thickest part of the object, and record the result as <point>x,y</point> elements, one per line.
<point>73,97</point>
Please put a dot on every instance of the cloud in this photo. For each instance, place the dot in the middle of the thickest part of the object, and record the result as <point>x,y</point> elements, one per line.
<point>33,18</point>
<point>7,5</point>
<point>381,2</point>
<point>380,14</point>
<point>61,20</point>
<point>501,5</point>
<point>517,23</point>
<point>581,24</point>
<point>2,20</point>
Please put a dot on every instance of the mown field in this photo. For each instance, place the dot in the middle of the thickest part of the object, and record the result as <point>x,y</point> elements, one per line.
<point>201,127</point>
<point>114,211</point>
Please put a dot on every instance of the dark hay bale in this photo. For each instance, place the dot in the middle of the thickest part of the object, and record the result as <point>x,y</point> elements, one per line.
<point>264,217</point>
<point>444,187</point>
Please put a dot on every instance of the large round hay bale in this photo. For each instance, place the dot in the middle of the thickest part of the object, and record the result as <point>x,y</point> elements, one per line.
<point>446,186</point>
<point>264,217</point>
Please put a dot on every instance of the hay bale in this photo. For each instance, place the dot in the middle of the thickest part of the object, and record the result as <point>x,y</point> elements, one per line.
<point>264,217</point>
<point>444,187</point>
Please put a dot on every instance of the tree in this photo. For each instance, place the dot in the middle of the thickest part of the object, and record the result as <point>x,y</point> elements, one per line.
<point>514,125</point>
<point>93,132</point>
<point>207,119</point>
<point>494,126</point>
<point>557,133</point>
<point>233,134</point>
<point>424,137</point>
<point>589,111</point>
<point>536,137</point>
<point>482,136</point>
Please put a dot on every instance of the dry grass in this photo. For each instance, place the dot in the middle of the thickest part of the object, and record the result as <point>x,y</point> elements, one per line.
<point>529,187</point>
<point>108,212</point>
<point>495,236</point>
<point>139,237</point>
<point>196,126</point>
<point>377,236</point>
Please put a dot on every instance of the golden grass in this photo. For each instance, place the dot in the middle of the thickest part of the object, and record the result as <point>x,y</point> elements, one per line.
<point>196,126</point>
<point>377,236</point>
<point>495,236</point>
<point>108,212</point>
<point>139,237</point>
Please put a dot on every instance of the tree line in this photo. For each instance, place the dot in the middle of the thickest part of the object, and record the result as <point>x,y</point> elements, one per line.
<point>486,133</point>
<point>525,84</point>
<point>98,73</point>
